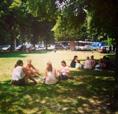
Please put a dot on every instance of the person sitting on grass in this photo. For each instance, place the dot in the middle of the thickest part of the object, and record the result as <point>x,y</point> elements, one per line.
<point>18,76</point>
<point>31,71</point>
<point>97,66</point>
<point>87,64</point>
<point>107,62</point>
<point>64,71</point>
<point>93,62</point>
<point>50,75</point>
<point>101,65</point>
<point>73,62</point>
<point>78,65</point>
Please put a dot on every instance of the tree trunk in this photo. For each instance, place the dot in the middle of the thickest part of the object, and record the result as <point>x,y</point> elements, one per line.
<point>13,43</point>
<point>116,62</point>
<point>114,100</point>
<point>13,38</point>
<point>46,45</point>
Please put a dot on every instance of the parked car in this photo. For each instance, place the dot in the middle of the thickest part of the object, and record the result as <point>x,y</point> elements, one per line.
<point>59,46</point>
<point>97,45</point>
<point>83,45</point>
<point>20,47</point>
<point>51,47</point>
<point>5,47</point>
<point>65,45</point>
<point>104,49</point>
<point>84,48</point>
<point>39,47</point>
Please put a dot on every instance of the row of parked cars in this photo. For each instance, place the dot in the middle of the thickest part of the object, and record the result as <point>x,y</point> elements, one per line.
<point>30,47</point>
<point>79,46</point>
<point>90,46</point>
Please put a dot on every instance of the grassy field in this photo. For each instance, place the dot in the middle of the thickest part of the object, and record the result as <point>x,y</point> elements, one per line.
<point>7,61</point>
<point>88,93</point>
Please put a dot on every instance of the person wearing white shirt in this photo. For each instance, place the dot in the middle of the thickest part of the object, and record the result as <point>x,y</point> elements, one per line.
<point>78,65</point>
<point>18,76</point>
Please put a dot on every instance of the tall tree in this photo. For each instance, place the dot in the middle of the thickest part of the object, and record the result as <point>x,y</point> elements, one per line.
<point>70,19</point>
<point>12,15</point>
<point>105,20</point>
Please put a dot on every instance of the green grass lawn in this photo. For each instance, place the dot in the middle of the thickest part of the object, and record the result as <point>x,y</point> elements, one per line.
<point>87,93</point>
<point>7,61</point>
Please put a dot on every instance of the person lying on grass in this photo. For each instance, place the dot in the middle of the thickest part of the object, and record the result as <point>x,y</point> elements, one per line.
<point>50,74</point>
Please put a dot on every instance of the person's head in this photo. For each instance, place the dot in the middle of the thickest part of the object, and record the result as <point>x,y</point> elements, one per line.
<point>92,57</point>
<point>49,66</point>
<point>87,58</point>
<point>19,63</point>
<point>29,61</point>
<point>75,57</point>
<point>63,63</point>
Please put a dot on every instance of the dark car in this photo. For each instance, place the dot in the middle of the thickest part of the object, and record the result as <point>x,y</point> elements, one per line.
<point>59,46</point>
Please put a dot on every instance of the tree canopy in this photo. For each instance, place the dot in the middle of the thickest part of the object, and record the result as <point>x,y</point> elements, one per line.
<point>67,19</point>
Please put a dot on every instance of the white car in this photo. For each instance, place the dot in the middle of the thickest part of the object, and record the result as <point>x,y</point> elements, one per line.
<point>83,48</point>
<point>39,47</point>
<point>51,47</point>
<point>5,47</point>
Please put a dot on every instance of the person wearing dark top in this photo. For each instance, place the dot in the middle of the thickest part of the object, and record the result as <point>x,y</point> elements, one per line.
<point>73,62</point>
<point>106,60</point>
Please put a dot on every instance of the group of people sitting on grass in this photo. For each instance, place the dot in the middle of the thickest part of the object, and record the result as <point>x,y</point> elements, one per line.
<point>21,74</point>
<point>90,63</point>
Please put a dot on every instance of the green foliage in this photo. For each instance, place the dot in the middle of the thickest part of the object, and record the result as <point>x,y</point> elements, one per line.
<point>63,31</point>
<point>109,41</point>
<point>70,19</point>
<point>18,21</point>
<point>104,16</point>
<point>43,9</point>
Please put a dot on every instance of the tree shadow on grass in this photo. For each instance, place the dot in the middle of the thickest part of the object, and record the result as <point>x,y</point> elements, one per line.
<point>82,95</point>
<point>18,54</point>
<point>111,56</point>
<point>105,73</point>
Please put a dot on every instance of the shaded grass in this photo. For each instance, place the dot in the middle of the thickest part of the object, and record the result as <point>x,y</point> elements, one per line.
<point>93,73</point>
<point>82,95</point>
<point>20,54</point>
